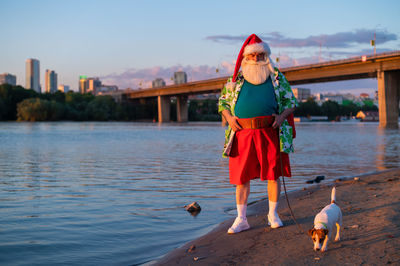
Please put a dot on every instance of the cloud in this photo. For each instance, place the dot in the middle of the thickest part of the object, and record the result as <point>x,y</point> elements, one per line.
<point>227,38</point>
<point>135,78</point>
<point>337,40</point>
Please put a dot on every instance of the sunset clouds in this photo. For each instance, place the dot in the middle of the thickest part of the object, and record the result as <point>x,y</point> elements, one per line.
<point>135,78</point>
<point>336,40</point>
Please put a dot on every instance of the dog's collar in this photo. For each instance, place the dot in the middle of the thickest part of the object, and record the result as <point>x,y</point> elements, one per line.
<point>324,224</point>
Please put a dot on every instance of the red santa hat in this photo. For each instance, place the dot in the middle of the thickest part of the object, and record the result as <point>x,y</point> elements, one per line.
<point>252,44</point>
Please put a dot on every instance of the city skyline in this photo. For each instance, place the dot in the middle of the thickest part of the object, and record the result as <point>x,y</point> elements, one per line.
<point>132,43</point>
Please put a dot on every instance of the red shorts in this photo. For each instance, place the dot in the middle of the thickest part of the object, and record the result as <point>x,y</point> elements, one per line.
<point>255,154</point>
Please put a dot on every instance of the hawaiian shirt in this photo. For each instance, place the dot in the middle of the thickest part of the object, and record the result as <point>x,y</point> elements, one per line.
<point>284,97</point>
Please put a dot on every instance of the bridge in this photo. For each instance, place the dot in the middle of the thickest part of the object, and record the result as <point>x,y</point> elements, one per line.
<point>385,67</point>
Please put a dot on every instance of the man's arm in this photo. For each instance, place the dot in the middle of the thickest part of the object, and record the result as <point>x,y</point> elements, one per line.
<point>232,120</point>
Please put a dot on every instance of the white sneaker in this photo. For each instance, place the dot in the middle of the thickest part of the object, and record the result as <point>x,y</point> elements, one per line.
<point>239,225</point>
<point>276,222</point>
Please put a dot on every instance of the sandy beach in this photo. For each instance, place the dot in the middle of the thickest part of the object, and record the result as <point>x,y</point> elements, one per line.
<point>371,218</point>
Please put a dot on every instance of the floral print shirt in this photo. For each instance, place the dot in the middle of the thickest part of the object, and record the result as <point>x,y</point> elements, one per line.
<point>284,97</point>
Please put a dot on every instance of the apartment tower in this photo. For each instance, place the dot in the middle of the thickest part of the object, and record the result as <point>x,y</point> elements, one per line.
<point>50,81</point>
<point>33,75</point>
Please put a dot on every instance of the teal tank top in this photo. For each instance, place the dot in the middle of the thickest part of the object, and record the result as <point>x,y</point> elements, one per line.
<point>256,100</point>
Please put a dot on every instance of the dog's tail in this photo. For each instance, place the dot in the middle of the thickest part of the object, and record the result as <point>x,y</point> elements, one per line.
<point>333,195</point>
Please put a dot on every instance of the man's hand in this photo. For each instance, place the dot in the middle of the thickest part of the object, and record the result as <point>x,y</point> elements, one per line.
<point>280,118</point>
<point>232,120</point>
<point>277,121</point>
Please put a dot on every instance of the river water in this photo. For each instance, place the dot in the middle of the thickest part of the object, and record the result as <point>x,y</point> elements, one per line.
<point>113,193</point>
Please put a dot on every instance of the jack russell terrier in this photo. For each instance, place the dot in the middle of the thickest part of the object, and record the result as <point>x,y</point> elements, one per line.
<point>324,224</point>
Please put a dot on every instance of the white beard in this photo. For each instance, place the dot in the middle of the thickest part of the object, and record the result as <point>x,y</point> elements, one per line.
<point>255,72</point>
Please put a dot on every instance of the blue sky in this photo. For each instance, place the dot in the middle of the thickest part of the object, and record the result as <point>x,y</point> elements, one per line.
<point>128,43</point>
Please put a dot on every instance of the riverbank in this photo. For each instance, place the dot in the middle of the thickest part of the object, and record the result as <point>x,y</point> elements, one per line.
<point>371,235</point>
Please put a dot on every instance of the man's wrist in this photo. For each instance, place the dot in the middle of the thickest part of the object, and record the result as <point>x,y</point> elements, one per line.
<point>227,114</point>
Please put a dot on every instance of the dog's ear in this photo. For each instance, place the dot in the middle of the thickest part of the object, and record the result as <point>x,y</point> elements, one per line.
<point>326,231</point>
<point>311,231</point>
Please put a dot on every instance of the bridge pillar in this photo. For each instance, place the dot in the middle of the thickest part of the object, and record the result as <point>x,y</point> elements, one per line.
<point>164,105</point>
<point>388,96</point>
<point>182,109</point>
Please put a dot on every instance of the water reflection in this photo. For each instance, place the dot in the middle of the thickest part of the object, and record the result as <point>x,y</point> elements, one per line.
<point>388,150</point>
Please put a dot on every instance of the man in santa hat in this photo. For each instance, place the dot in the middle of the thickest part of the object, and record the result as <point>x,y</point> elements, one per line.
<point>258,104</point>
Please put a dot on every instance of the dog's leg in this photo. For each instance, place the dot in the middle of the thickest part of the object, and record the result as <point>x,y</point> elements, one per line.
<point>338,228</point>
<point>325,244</point>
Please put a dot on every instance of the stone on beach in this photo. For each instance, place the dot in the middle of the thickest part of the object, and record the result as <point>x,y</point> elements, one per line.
<point>316,180</point>
<point>191,248</point>
<point>193,208</point>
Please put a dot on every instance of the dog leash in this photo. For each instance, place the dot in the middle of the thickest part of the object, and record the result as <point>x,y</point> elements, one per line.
<point>286,196</point>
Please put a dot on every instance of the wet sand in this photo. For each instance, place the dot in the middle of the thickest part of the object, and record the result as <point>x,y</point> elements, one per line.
<point>371,235</point>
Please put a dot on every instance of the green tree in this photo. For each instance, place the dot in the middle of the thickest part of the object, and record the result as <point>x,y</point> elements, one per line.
<point>349,109</point>
<point>308,108</point>
<point>32,110</point>
<point>57,96</point>
<point>331,109</point>
<point>76,105</point>
<point>57,111</point>
<point>137,110</point>
<point>36,109</point>
<point>204,110</point>
<point>102,108</point>
<point>368,105</point>
<point>11,96</point>
<point>3,109</point>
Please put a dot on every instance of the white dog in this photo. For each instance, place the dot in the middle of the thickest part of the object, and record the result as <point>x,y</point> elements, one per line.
<point>324,224</point>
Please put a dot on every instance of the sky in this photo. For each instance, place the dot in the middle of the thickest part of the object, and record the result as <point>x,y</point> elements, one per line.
<point>130,43</point>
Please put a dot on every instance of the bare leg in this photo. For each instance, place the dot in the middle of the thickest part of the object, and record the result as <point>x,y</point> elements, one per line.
<point>274,190</point>
<point>242,193</point>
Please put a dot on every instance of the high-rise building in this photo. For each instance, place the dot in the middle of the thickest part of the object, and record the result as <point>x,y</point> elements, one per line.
<point>83,84</point>
<point>7,78</point>
<point>301,94</point>
<point>89,85</point>
<point>180,77</point>
<point>32,75</point>
<point>158,82</point>
<point>50,81</point>
<point>63,88</point>
<point>94,85</point>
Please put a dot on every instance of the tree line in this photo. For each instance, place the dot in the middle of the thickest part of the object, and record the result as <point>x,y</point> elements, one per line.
<point>333,110</point>
<point>18,103</point>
